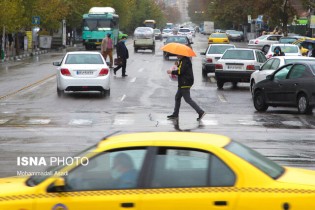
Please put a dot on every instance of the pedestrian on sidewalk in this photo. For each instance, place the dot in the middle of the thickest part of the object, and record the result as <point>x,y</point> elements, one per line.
<point>185,76</point>
<point>123,55</point>
<point>107,49</point>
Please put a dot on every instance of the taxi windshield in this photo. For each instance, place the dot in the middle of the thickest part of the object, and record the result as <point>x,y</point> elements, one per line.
<point>37,179</point>
<point>264,164</point>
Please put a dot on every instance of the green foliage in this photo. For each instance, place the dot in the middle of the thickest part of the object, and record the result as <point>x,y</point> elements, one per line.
<point>17,14</point>
<point>229,13</point>
<point>11,16</point>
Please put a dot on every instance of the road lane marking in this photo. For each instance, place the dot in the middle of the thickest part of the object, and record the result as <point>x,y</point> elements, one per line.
<point>80,122</point>
<point>39,121</point>
<point>133,79</point>
<point>3,121</point>
<point>222,98</point>
<point>26,87</point>
<point>123,122</point>
<point>123,97</point>
<point>292,123</point>
<point>305,122</point>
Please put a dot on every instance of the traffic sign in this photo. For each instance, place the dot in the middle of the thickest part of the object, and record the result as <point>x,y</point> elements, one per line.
<point>36,20</point>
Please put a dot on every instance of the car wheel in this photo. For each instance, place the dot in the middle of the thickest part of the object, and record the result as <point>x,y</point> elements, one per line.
<point>204,73</point>
<point>252,83</point>
<point>303,104</point>
<point>103,93</point>
<point>60,93</point>
<point>166,57</point>
<point>220,84</point>
<point>153,50</point>
<point>234,84</point>
<point>108,92</point>
<point>260,102</point>
<point>135,50</point>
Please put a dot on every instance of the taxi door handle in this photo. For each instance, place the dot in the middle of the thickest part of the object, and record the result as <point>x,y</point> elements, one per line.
<point>127,205</point>
<point>296,84</point>
<point>280,85</point>
<point>220,203</point>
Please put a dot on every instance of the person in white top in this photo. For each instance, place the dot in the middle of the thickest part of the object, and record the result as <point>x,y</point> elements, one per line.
<point>107,49</point>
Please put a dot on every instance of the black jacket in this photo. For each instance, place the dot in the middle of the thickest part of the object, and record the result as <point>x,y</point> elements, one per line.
<point>185,73</point>
<point>122,50</point>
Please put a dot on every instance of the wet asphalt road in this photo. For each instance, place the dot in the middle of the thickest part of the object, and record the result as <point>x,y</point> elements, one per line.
<point>35,122</point>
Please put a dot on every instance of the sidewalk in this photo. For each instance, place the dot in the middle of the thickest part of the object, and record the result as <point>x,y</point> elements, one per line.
<point>11,54</point>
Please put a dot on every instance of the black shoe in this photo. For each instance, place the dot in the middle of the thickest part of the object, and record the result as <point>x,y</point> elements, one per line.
<point>172,116</point>
<point>201,115</point>
<point>115,71</point>
<point>125,75</point>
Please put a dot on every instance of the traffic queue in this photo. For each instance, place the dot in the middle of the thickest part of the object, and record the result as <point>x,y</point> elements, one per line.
<point>279,70</point>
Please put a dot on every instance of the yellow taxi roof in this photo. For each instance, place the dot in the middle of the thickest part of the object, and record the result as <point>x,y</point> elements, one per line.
<point>157,138</point>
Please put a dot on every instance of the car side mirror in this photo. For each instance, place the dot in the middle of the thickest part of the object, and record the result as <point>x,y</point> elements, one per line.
<point>59,184</point>
<point>202,53</point>
<point>269,77</point>
<point>56,63</point>
<point>257,68</point>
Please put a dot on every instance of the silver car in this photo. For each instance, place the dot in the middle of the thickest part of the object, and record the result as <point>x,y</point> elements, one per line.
<point>263,42</point>
<point>83,71</point>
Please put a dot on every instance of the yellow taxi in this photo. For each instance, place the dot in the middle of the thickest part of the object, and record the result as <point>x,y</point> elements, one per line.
<point>218,38</point>
<point>165,171</point>
<point>304,44</point>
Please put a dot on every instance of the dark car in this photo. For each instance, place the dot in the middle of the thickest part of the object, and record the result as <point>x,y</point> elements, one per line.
<point>235,35</point>
<point>292,85</point>
<point>176,39</point>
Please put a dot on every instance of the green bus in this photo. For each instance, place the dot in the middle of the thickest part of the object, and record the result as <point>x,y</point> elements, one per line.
<point>97,24</point>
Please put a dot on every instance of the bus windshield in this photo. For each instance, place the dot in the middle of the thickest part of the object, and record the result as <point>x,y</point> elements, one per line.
<point>97,24</point>
<point>150,23</point>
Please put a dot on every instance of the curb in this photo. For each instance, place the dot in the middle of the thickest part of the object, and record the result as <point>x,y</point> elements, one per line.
<point>25,55</point>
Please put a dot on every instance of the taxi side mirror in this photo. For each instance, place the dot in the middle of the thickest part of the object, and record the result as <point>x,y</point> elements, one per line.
<point>269,77</point>
<point>202,53</point>
<point>59,184</point>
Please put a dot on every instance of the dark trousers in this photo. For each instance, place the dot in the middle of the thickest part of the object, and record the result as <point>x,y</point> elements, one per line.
<point>123,66</point>
<point>185,92</point>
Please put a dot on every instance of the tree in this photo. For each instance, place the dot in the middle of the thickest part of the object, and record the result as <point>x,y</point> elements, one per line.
<point>231,13</point>
<point>198,10</point>
<point>11,16</point>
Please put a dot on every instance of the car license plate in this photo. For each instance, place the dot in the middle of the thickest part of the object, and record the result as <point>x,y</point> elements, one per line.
<point>84,72</point>
<point>238,67</point>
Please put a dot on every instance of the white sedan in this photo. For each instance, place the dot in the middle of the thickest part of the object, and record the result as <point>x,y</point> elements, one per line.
<point>272,64</point>
<point>287,49</point>
<point>167,32</point>
<point>83,71</point>
<point>263,42</point>
<point>237,64</point>
<point>212,55</point>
